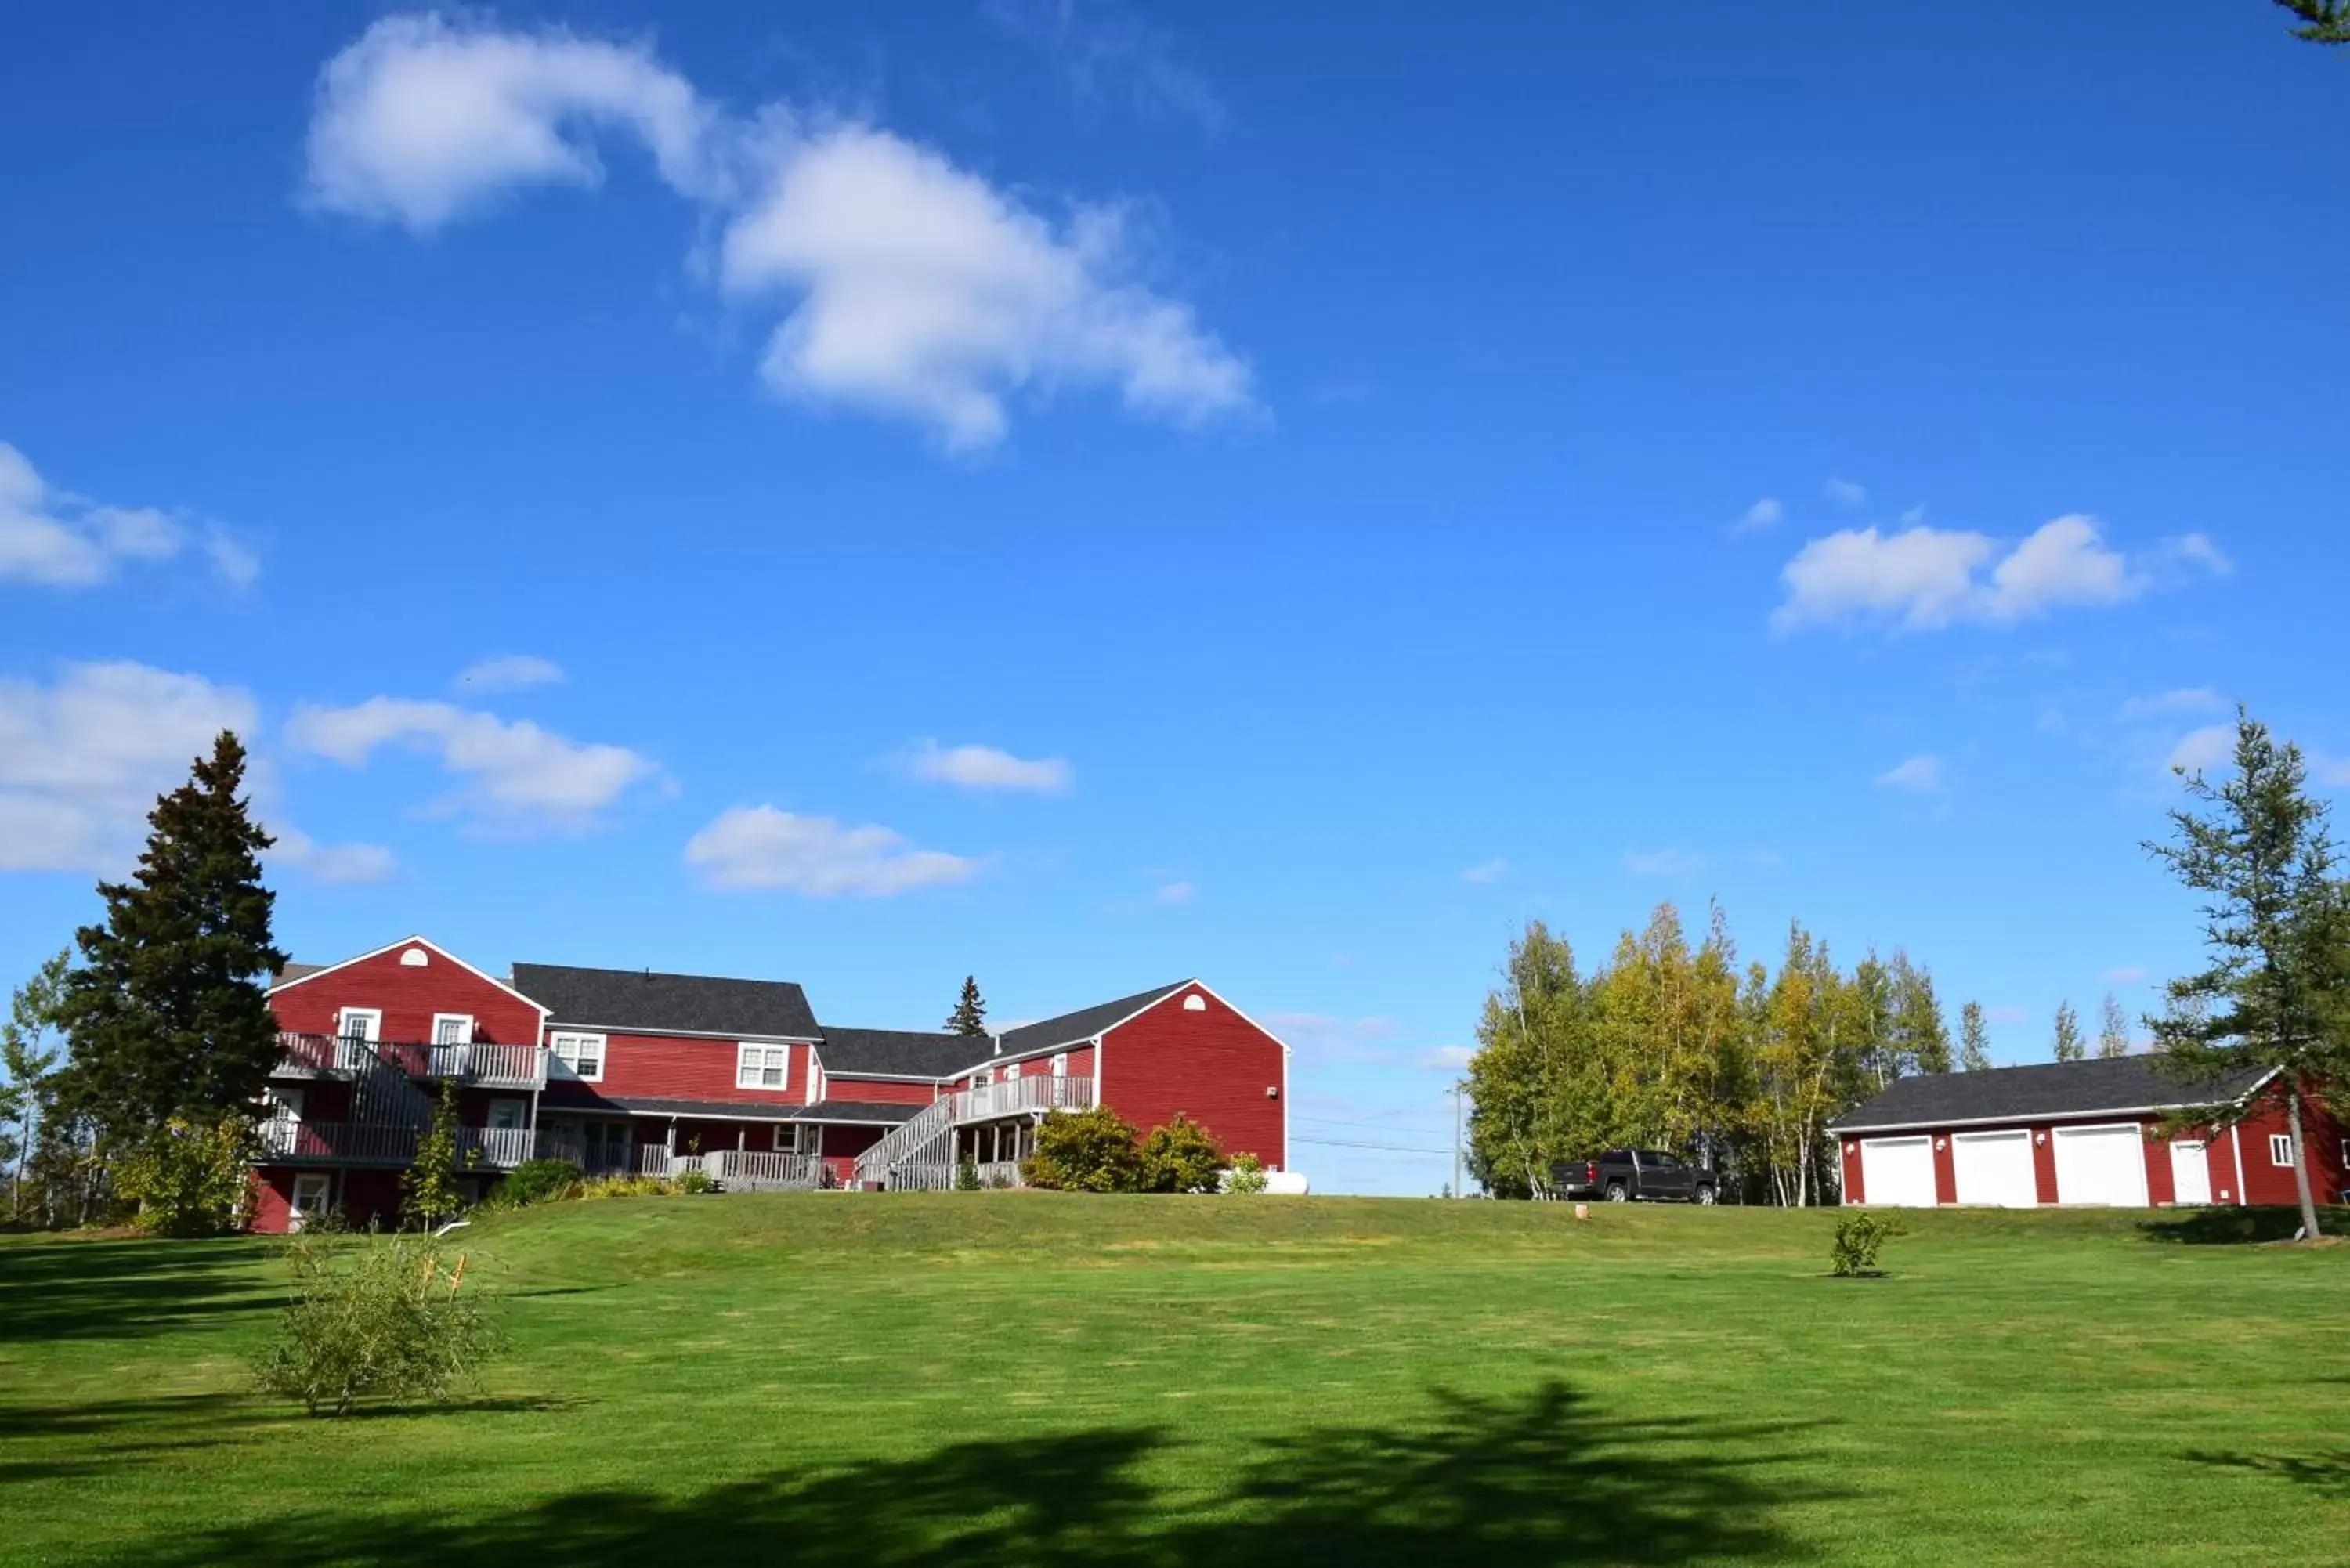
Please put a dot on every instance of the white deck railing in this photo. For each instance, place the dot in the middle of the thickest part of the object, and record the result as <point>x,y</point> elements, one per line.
<point>1021,1095</point>
<point>366,1143</point>
<point>488,1065</point>
<point>761,1170</point>
<point>999,1173</point>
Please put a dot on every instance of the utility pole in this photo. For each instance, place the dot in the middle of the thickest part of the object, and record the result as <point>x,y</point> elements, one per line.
<point>1456,1138</point>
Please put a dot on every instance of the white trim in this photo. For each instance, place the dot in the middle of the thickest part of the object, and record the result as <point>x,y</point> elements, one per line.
<point>603,1051</point>
<point>2286,1139</point>
<point>2236,1144</point>
<point>343,1016</point>
<point>729,1036</point>
<point>464,1035</point>
<point>415,941</point>
<point>780,1114</point>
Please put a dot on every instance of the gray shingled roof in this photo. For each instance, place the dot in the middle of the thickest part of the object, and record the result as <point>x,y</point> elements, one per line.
<point>868,1113</point>
<point>679,1004</point>
<point>292,972</point>
<point>1084,1024</point>
<point>901,1052</point>
<point>2048,1089</point>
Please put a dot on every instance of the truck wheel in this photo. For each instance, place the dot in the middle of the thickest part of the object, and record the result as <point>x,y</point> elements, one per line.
<point>1705,1196</point>
<point>1615,1193</point>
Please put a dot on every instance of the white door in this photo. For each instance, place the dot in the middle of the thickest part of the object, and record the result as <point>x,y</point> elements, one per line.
<point>312,1198</point>
<point>2101,1165</point>
<point>2190,1172</point>
<point>1898,1172</point>
<point>1995,1167</point>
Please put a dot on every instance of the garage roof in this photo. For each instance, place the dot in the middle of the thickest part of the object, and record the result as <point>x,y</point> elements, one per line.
<point>2047,1090</point>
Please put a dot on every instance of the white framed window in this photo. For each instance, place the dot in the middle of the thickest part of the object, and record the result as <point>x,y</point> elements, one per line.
<point>508,1115</point>
<point>453,1029</point>
<point>1012,1071</point>
<point>787,1138</point>
<point>2280,1148</point>
<point>359,1024</point>
<point>313,1199</point>
<point>1060,1063</point>
<point>762,1066</point>
<point>583,1053</point>
<point>985,1077</point>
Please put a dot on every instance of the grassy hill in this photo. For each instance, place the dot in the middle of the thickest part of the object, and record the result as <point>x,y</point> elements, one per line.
<point>1023,1377</point>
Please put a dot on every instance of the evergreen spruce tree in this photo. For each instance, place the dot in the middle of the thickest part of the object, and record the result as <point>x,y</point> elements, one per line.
<point>167,1016</point>
<point>2276,921</point>
<point>29,1062</point>
<point>970,1014</point>
<point>2323,21</point>
<point>2113,1032</point>
<point>2069,1047</point>
<point>1974,1040</point>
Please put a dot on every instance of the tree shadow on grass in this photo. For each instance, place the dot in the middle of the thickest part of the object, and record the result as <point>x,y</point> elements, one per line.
<point>2237,1227</point>
<point>2326,1474</point>
<point>1539,1480</point>
<point>109,1290</point>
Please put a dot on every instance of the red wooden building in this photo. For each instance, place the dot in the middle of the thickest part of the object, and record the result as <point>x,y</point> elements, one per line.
<point>629,1071</point>
<point>2089,1132</point>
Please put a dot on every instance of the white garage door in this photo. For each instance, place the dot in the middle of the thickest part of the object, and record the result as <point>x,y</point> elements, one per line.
<point>1898,1172</point>
<point>2101,1165</point>
<point>1995,1167</point>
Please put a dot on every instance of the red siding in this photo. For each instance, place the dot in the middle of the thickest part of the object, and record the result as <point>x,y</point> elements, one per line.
<point>2161,1189</point>
<point>408,995</point>
<point>842,1145</point>
<point>663,1067</point>
<point>1212,1065</point>
<point>273,1200</point>
<point>877,1091</point>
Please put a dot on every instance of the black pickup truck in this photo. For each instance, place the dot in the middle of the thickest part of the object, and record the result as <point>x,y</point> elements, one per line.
<point>1621,1175</point>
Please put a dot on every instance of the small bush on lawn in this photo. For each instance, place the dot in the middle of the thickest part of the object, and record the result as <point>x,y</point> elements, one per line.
<point>373,1318</point>
<point>966,1175</point>
<point>639,1187</point>
<point>1181,1158</point>
<point>1247,1175</point>
<point>695,1180</point>
<point>1084,1151</point>
<point>1858,1238</point>
<point>191,1178</point>
<point>538,1181</point>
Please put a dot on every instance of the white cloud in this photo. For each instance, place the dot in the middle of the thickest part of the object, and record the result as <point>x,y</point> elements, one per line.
<point>2186,700</point>
<point>1486,873</point>
<point>1844,492</point>
<point>911,287</point>
<point>58,539</point>
<point>422,120</point>
<point>509,673</point>
<point>1107,52</point>
<point>984,767</point>
<point>1923,578</point>
<point>518,776</point>
<point>81,762</point>
<point>1663,862</point>
<point>2209,747</point>
<point>761,846</point>
<point>1176,893</point>
<point>334,862</point>
<point>1763,514</point>
<point>1918,775</point>
<point>1448,1058</point>
<point>2197,550</point>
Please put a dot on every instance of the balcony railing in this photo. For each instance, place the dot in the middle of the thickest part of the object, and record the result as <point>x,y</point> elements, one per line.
<point>285,1140</point>
<point>761,1170</point>
<point>1021,1095</point>
<point>483,1065</point>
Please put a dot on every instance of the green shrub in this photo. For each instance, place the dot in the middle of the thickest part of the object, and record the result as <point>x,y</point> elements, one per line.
<point>191,1178</point>
<point>1181,1158</point>
<point>967,1175</point>
<point>538,1181</point>
<point>374,1318</point>
<point>429,1187</point>
<point>694,1180</point>
<point>1084,1151</point>
<point>640,1186</point>
<point>1247,1175</point>
<point>1858,1235</point>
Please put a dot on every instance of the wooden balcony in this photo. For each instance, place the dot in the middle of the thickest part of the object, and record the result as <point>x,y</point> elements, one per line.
<point>480,1065</point>
<point>1021,1097</point>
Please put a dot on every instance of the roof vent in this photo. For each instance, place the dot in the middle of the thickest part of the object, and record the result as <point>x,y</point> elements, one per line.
<point>1195,1002</point>
<point>414,958</point>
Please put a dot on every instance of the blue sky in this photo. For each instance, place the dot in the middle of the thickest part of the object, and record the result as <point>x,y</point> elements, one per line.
<point>1088,495</point>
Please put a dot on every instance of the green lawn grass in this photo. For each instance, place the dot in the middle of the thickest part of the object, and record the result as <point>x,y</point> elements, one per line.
<point>1033,1378</point>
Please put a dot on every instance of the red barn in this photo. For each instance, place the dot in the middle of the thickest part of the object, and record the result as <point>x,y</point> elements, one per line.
<point>2089,1132</point>
<point>634,1072</point>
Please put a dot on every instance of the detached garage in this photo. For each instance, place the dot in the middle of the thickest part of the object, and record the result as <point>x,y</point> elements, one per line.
<point>2072,1134</point>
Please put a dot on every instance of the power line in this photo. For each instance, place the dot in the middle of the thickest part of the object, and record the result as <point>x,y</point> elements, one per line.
<point>1388,1147</point>
<point>1375,1126</point>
